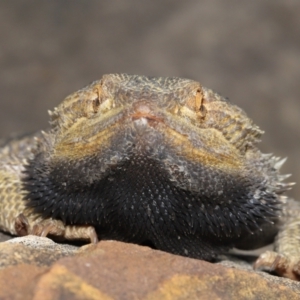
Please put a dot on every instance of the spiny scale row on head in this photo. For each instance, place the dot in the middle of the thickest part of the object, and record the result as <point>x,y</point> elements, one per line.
<point>160,85</point>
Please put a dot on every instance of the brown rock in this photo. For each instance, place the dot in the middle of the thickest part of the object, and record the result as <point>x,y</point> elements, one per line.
<point>114,270</point>
<point>32,250</point>
<point>61,283</point>
<point>22,260</point>
<point>18,282</point>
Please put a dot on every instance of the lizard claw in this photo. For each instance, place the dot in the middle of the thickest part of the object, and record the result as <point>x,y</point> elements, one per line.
<point>43,230</point>
<point>279,264</point>
<point>56,228</point>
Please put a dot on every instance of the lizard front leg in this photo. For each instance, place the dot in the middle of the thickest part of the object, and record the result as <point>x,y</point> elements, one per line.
<point>15,217</point>
<point>54,228</point>
<point>285,259</point>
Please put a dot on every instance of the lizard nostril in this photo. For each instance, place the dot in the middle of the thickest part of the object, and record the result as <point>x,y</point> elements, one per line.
<point>142,108</point>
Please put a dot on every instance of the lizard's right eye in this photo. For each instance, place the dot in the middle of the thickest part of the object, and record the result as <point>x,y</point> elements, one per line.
<point>200,104</point>
<point>96,104</point>
<point>202,110</point>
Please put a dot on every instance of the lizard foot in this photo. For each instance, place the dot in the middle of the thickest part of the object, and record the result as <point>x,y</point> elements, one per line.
<point>21,225</point>
<point>279,264</point>
<point>56,229</point>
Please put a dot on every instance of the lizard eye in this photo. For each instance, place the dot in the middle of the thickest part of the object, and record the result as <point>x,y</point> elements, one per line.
<point>201,109</point>
<point>96,104</point>
<point>91,105</point>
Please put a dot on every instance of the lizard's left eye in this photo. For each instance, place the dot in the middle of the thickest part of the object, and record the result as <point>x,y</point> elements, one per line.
<point>97,100</point>
<point>202,110</point>
<point>91,105</point>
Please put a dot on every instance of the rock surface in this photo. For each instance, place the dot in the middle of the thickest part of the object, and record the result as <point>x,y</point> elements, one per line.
<point>32,250</point>
<point>37,268</point>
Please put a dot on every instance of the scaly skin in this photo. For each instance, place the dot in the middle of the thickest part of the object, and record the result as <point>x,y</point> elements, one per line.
<point>15,217</point>
<point>159,161</point>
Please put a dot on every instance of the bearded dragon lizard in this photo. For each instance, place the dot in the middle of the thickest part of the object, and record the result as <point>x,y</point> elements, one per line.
<point>164,162</point>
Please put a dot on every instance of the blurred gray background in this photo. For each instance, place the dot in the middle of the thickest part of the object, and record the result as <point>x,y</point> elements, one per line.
<point>246,50</point>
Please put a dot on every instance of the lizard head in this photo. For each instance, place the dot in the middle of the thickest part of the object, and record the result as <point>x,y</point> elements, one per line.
<point>126,142</point>
<point>89,120</point>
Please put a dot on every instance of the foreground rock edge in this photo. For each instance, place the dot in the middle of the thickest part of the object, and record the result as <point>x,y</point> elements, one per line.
<point>128,270</point>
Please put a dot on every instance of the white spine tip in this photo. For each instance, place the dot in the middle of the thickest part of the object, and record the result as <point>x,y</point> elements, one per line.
<point>279,164</point>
